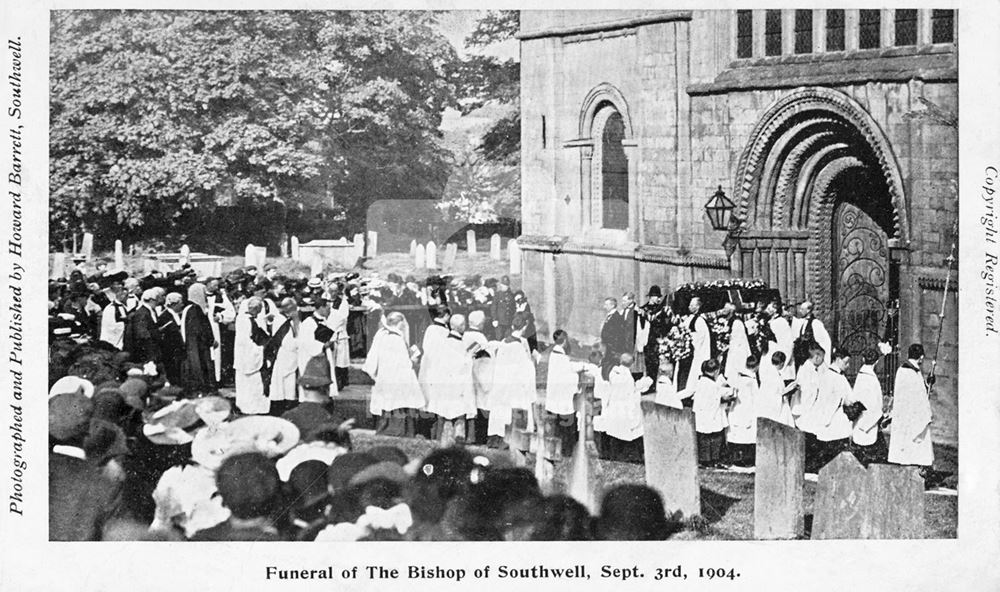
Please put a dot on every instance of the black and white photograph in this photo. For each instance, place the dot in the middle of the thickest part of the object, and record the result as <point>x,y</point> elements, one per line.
<point>374,276</point>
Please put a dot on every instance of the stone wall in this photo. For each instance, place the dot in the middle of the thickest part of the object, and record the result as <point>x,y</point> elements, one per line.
<point>692,109</point>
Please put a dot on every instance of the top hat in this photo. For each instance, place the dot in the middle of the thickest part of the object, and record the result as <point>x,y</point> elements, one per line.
<point>654,291</point>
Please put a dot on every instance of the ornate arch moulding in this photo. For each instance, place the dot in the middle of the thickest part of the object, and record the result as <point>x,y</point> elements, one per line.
<point>604,92</point>
<point>825,101</point>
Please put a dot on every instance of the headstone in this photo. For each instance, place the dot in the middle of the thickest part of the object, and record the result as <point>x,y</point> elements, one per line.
<point>261,257</point>
<point>519,437</point>
<point>413,248</point>
<point>514,252</point>
<point>431,255</point>
<point>119,255</point>
<point>372,243</point>
<point>88,246</point>
<point>284,248</point>
<point>359,245</point>
<point>250,256</point>
<point>450,253</point>
<point>841,504</point>
<point>185,254</point>
<point>58,266</point>
<point>470,241</point>
<point>778,481</point>
<point>420,257</point>
<point>548,447</point>
<point>581,473</point>
<point>316,264</point>
<point>495,247</point>
<point>295,248</point>
<point>896,502</point>
<point>671,457</point>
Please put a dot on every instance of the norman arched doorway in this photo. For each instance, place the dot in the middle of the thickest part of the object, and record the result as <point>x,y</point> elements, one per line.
<point>819,206</point>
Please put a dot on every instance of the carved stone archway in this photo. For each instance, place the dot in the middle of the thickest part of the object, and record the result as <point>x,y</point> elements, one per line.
<point>800,146</point>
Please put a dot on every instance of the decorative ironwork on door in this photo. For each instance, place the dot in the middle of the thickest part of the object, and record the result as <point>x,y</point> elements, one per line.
<point>861,284</point>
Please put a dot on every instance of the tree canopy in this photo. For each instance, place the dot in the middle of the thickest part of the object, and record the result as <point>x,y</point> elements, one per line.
<point>157,112</point>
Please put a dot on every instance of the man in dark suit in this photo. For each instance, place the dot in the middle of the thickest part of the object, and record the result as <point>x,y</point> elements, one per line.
<point>81,497</point>
<point>614,337</point>
<point>142,338</point>
<point>171,339</point>
<point>655,315</point>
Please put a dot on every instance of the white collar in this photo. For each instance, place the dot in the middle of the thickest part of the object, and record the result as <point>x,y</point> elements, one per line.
<point>73,451</point>
<point>866,369</point>
<point>558,349</point>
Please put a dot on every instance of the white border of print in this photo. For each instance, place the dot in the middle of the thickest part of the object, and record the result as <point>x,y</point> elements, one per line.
<point>28,562</point>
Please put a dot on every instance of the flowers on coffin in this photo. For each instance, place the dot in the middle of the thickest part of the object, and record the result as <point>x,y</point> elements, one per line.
<point>677,344</point>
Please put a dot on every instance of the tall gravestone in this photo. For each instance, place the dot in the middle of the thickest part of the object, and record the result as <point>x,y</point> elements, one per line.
<point>413,248</point>
<point>372,243</point>
<point>250,255</point>
<point>514,253</point>
<point>495,247</point>
<point>897,503</point>
<point>419,257</point>
<point>88,246</point>
<point>359,246</point>
<point>778,481</point>
<point>316,263</point>
<point>470,241</point>
<point>431,255</point>
<point>119,255</point>
<point>295,248</point>
<point>671,457</point>
<point>582,469</point>
<point>58,265</point>
<point>450,253</point>
<point>185,254</point>
<point>841,504</point>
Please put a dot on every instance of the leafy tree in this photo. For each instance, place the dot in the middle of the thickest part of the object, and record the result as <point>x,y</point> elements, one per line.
<point>154,113</point>
<point>488,79</point>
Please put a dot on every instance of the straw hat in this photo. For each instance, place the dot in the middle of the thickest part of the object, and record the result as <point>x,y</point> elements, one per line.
<point>271,436</point>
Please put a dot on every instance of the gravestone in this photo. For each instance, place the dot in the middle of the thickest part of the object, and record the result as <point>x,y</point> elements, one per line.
<point>88,246</point>
<point>778,481</point>
<point>495,247</point>
<point>58,266</point>
<point>547,446</point>
<point>896,500</point>
<point>514,252</point>
<point>359,247</point>
<point>295,248</point>
<point>671,457</point>
<point>372,243</point>
<point>119,255</point>
<point>250,255</point>
<point>413,248</point>
<point>185,254</point>
<point>470,241</point>
<point>283,251</point>
<point>841,505</point>
<point>518,437</point>
<point>316,264</point>
<point>431,255</point>
<point>450,253</point>
<point>419,257</point>
<point>581,473</point>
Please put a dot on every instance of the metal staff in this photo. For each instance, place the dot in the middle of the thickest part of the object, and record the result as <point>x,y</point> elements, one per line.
<point>944,299</point>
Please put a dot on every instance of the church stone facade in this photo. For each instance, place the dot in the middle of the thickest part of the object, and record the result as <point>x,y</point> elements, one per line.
<point>833,132</point>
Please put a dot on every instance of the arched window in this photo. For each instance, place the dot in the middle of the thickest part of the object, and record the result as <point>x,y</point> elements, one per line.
<point>607,160</point>
<point>614,174</point>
